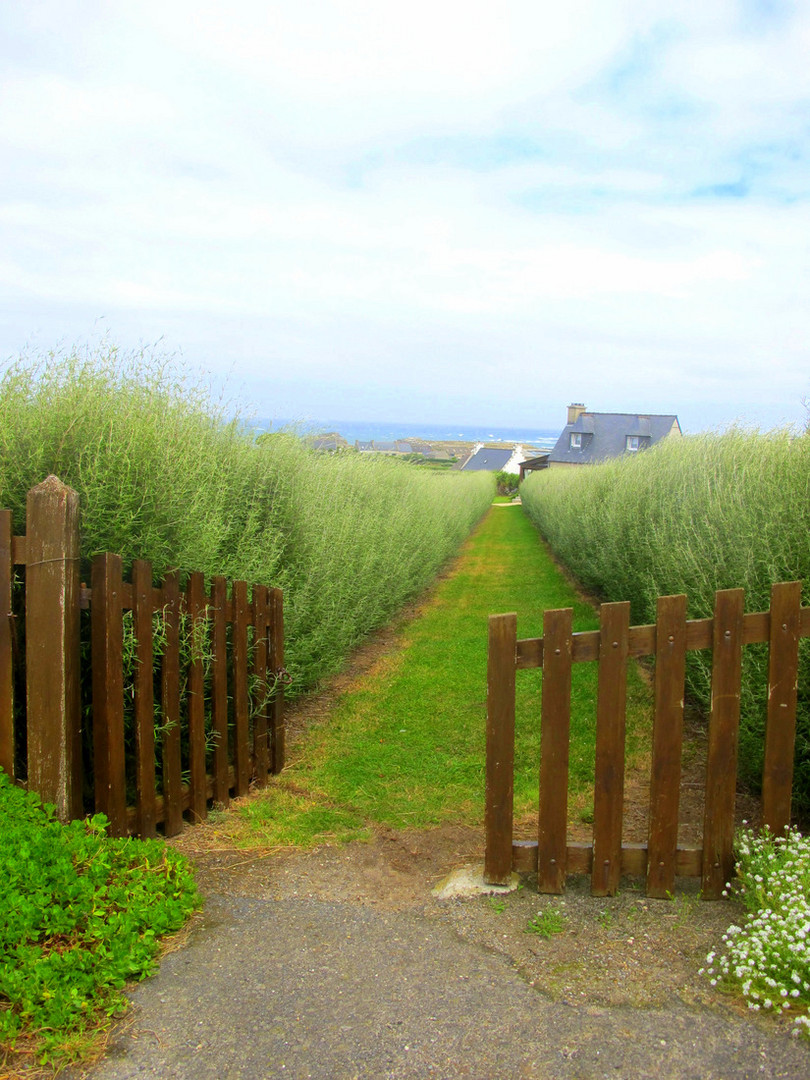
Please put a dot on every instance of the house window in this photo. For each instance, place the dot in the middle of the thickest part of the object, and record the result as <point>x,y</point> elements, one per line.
<point>576,440</point>
<point>632,442</point>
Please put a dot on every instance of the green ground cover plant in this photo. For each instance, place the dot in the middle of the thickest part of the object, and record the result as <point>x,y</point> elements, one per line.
<point>768,957</point>
<point>546,923</point>
<point>165,474</point>
<point>692,516</point>
<point>80,915</point>
<point>406,746</point>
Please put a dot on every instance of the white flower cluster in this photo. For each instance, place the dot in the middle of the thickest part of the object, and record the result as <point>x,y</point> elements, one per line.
<point>769,955</point>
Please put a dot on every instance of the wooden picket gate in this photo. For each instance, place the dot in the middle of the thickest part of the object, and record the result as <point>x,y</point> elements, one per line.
<point>668,641</point>
<point>218,683</point>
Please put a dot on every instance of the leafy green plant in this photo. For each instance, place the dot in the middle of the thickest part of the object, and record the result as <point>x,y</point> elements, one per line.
<point>546,923</point>
<point>506,483</point>
<point>768,956</point>
<point>80,915</point>
<point>606,919</point>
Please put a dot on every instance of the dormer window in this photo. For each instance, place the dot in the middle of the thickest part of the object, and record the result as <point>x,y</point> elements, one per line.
<point>576,440</point>
<point>632,443</point>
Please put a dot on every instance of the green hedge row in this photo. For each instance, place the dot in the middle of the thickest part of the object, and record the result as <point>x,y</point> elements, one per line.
<point>164,475</point>
<point>693,515</point>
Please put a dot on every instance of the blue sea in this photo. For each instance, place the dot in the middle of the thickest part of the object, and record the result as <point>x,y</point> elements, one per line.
<point>389,430</point>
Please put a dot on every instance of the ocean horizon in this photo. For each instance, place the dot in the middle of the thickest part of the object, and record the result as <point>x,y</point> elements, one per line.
<point>391,430</point>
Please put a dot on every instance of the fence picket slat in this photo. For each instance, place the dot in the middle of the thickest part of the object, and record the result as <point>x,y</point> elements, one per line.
<point>278,752</point>
<point>219,689</point>
<point>143,609</point>
<point>261,749</point>
<point>665,773</point>
<point>172,765</point>
<point>52,646</point>
<point>195,604</point>
<point>555,724</point>
<point>724,724</point>
<point>6,645</point>
<point>107,630</point>
<point>608,803</point>
<point>241,747</point>
<point>780,733</point>
<point>500,748</point>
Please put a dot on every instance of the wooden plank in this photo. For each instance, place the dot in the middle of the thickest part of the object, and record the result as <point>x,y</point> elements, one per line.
<point>6,645</point>
<point>611,705</point>
<point>144,687</point>
<point>260,704</point>
<point>724,723</point>
<point>756,627</point>
<point>665,776</point>
<point>699,634</point>
<point>53,707</point>
<point>555,724</point>
<point>278,752</point>
<point>195,606</point>
<point>172,765</point>
<point>688,862</point>
<point>241,747</point>
<point>19,550</point>
<point>109,761</point>
<point>185,802</point>
<point>585,646</point>
<point>529,653</point>
<point>500,748</point>
<point>524,856</point>
<point>780,733</point>
<point>219,690</point>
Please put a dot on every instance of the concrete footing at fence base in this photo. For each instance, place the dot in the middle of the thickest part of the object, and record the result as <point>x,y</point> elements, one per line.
<point>469,881</point>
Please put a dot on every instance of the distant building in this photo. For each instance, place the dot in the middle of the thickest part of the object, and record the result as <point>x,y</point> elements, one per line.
<point>330,443</point>
<point>591,437</point>
<point>491,459</point>
<point>377,446</point>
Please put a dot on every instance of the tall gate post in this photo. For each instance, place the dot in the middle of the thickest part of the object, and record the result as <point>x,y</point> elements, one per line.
<point>500,748</point>
<point>52,594</point>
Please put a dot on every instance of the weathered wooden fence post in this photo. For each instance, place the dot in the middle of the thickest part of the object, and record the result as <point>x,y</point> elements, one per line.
<point>52,646</point>
<point>6,645</point>
<point>500,748</point>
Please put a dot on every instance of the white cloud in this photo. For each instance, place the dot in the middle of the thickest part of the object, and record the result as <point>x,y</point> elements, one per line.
<point>610,192</point>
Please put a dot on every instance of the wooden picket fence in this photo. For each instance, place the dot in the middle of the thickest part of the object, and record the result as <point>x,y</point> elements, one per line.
<point>218,664</point>
<point>552,856</point>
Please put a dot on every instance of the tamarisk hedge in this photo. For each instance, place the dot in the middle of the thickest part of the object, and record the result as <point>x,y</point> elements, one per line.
<point>692,516</point>
<point>163,474</point>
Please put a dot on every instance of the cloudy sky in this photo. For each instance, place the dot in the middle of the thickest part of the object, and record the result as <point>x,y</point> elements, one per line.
<point>441,211</point>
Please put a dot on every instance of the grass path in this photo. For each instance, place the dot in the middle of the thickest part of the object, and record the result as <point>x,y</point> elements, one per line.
<point>404,746</point>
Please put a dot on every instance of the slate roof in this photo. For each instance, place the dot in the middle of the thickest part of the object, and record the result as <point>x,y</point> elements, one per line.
<point>604,435</point>
<point>487,460</point>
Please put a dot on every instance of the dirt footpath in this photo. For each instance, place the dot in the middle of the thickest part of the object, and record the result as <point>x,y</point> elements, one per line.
<point>339,963</point>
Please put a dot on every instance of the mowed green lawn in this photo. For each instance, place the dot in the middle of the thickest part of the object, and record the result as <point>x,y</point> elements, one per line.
<point>404,746</point>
